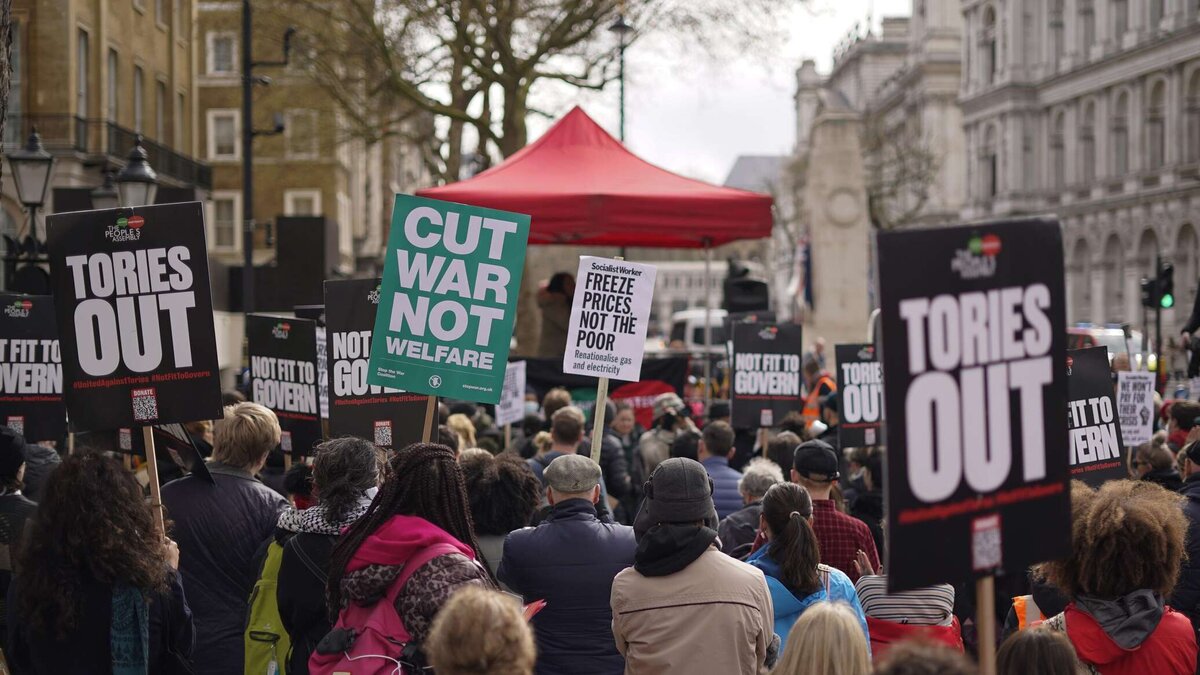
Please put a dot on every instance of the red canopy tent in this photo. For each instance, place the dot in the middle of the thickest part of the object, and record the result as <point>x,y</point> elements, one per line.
<point>582,187</point>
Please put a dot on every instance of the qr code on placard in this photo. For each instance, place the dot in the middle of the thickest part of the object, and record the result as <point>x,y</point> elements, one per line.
<point>145,404</point>
<point>16,423</point>
<point>285,441</point>
<point>383,434</point>
<point>985,543</point>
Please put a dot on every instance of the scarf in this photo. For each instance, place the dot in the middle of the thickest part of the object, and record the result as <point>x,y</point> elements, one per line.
<point>316,520</point>
<point>667,548</point>
<point>129,639</point>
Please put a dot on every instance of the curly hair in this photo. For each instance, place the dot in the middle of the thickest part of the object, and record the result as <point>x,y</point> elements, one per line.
<point>503,492</point>
<point>343,470</point>
<point>92,523</point>
<point>1126,536</point>
<point>425,481</point>
<point>481,632</point>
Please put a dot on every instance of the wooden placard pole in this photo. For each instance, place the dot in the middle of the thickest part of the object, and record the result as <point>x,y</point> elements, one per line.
<point>985,623</point>
<point>287,461</point>
<point>598,418</point>
<point>508,436</point>
<point>430,413</point>
<point>152,470</point>
<point>70,443</point>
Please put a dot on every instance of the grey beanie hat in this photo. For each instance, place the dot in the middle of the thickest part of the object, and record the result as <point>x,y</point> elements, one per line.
<point>679,491</point>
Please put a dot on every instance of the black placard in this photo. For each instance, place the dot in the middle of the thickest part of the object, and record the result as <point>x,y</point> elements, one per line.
<point>974,340</point>
<point>860,395</point>
<point>766,373</point>
<point>135,317</point>
<point>390,418</point>
<point>1096,454</point>
<point>31,400</point>
<point>283,377</point>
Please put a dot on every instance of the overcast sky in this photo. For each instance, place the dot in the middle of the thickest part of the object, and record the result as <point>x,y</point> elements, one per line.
<point>697,117</point>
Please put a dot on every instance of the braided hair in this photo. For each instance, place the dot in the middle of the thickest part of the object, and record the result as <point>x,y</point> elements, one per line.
<point>424,481</point>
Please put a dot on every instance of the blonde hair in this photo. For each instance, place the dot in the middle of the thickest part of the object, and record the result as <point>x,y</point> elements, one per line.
<point>542,442</point>
<point>826,640</point>
<point>462,425</point>
<point>245,436</point>
<point>480,632</point>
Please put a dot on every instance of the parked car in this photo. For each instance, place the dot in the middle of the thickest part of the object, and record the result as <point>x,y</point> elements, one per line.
<point>1112,336</point>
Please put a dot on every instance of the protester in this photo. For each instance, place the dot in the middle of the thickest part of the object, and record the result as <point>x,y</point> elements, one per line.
<point>450,438</point>
<point>739,529</point>
<point>421,509</point>
<point>96,589</point>
<point>566,433</point>
<point>569,560</point>
<point>613,463</point>
<point>15,508</point>
<point>461,425</point>
<point>626,431</point>
<point>503,494</point>
<point>297,482</point>
<point>272,472</point>
<point>1042,602</point>
<point>1040,651</point>
<point>480,632</point>
<point>41,459</point>
<point>1155,463</point>
<point>922,613</point>
<point>345,474</point>
<point>867,504</point>
<point>716,445</point>
<point>555,302</point>
<point>791,560</point>
<point>830,418</point>
<point>826,641</point>
<point>817,384</point>
<point>924,658</point>
<point>841,537</point>
<point>1186,596</point>
<point>1127,544</point>
<point>219,529</point>
<point>687,445</point>
<point>684,606</point>
<point>1182,419</point>
<point>201,433</point>
<point>655,445</point>
<point>781,449</point>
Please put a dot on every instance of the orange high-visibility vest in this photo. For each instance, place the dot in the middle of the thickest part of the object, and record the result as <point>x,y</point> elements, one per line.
<point>812,404</point>
<point>1027,611</point>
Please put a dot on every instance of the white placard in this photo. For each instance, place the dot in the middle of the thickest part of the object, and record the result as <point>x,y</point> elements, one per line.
<point>1135,406</point>
<point>511,408</point>
<point>322,373</point>
<point>609,316</point>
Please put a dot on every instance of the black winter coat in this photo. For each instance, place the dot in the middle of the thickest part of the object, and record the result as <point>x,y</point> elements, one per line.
<point>1186,597</point>
<point>219,528</point>
<point>301,595</point>
<point>569,560</point>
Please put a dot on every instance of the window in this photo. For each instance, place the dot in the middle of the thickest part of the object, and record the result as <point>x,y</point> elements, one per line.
<point>1191,114</point>
<point>180,123</point>
<point>223,132</point>
<point>1120,135</point>
<point>1087,25</point>
<point>1120,14</point>
<point>1058,167</point>
<point>1057,46</point>
<point>113,89</point>
<point>160,111</point>
<point>989,165</point>
<point>81,74</point>
<point>1156,142</point>
<point>225,220</point>
<point>1156,14</point>
<point>300,134</point>
<point>987,45</point>
<point>302,202</point>
<point>1087,145</point>
<point>139,98</point>
<point>160,13</point>
<point>221,48</point>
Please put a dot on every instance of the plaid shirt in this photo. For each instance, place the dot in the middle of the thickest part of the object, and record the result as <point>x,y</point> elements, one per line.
<point>841,537</point>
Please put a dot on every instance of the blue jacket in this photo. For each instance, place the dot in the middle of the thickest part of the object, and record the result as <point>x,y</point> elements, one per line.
<point>1186,596</point>
<point>569,560</point>
<point>788,607</point>
<point>726,497</point>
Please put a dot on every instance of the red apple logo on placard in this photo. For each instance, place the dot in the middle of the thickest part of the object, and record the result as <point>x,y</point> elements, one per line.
<point>136,222</point>
<point>990,246</point>
<point>26,304</point>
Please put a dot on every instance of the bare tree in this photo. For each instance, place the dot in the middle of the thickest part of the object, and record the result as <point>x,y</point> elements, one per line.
<point>900,171</point>
<point>6,38</point>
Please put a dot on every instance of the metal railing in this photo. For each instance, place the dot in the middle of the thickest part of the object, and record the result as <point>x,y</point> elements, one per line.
<point>63,133</point>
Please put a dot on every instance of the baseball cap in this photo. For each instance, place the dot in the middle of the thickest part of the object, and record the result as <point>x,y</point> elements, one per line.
<point>816,458</point>
<point>679,491</point>
<point>572,474</point>
<point>12,452</point>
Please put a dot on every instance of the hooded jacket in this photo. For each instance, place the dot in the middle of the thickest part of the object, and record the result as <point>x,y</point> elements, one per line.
<point>1131,635</point>
<point>1186,597</point>
<point>381,557</point>
<point>836,587</point>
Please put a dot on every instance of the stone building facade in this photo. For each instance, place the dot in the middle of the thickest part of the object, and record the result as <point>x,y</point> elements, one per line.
<point>1090,109</point>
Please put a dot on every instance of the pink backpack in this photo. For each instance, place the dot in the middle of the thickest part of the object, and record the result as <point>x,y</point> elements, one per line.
<point>372,640</point>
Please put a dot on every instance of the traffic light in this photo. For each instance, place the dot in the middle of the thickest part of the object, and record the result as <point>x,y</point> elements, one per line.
<point>1149,293</point>
<point>1166,286</point>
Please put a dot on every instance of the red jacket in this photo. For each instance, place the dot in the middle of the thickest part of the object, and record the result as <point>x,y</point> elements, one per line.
<point>1170,649</point>
<point>884,634</point>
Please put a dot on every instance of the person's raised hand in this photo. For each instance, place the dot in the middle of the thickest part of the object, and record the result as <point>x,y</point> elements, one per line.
<point>172,550</point>
<point>863,565</point>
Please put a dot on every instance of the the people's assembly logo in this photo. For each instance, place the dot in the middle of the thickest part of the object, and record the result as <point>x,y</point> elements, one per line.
<point>867,353</point>
<point>373,296</point>
<point>19,309</point>
<point>281,330</point>
<point>978,259</point>
<point>126,229</point>
<point>768,333</point>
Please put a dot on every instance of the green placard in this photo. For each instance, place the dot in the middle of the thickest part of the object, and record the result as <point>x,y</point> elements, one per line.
<point>448,299</point>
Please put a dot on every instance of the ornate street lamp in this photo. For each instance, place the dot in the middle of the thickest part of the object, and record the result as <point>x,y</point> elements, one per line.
<point>106,196</point>
<point>622,30</point>
<point>31,168</point>
<point>137,183</point>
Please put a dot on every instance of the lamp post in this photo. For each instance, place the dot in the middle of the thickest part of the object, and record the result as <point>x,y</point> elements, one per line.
<point>31,168</point>
<point>106,196</point>
<point>137,183</point>
<point>622,30</point>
